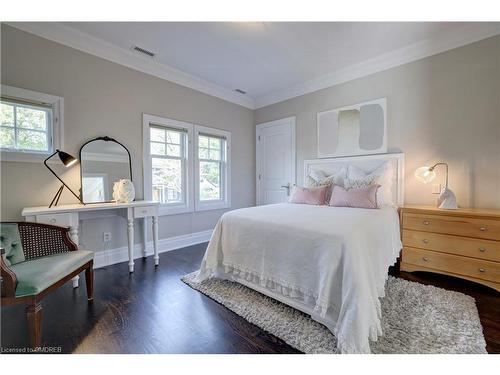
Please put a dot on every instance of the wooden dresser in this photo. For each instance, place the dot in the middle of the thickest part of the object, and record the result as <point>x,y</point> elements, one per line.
<point>463,243</point>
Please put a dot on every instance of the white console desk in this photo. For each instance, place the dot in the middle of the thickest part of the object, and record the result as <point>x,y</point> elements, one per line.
<point>70,215</point>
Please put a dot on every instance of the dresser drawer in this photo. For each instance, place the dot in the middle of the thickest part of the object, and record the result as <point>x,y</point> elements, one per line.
<point>62,220</point>
<point>144,211</point>
<point>460,226</point>
<point>469,247</point>
<point>480,269</point>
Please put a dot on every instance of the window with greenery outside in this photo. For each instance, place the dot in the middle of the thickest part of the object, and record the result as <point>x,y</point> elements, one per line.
<point>168,163</point>
<point>211,157</point>
<point>25,127</point>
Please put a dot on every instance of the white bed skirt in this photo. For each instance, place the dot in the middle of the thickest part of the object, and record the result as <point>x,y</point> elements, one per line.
<point>330,263</point>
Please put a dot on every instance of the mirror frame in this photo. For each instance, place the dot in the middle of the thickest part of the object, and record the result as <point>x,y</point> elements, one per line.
<point>106,139</point>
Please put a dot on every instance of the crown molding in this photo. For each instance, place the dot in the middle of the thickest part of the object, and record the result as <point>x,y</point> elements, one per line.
<point>76,39</point>
<point>467,34</point>
<point>68,36</point>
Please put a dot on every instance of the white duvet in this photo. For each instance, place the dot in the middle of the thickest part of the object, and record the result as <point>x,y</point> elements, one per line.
<point>329,262</point>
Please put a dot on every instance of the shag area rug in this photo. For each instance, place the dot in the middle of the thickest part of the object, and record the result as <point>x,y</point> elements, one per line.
<point>416,318</point>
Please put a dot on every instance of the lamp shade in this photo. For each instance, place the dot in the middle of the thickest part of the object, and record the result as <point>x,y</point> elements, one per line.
<point>425,174</point>
<point>66,158</point>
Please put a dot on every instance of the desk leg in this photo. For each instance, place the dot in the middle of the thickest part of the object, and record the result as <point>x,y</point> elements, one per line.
<point>155,240</point>
<point>144,237</point>
<point>73,232</point>
<point>130,245</point>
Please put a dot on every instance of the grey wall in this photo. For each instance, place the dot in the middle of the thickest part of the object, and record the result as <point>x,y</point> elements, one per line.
<point>104,98</point>
<point>445,107</point>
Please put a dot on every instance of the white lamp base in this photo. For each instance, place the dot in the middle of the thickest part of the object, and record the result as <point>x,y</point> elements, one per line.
<point>447,200</point>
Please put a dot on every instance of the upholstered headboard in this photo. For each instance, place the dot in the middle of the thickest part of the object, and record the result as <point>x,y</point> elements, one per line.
<point>368,163</point>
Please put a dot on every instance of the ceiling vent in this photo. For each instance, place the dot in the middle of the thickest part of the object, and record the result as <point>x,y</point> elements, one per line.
<point>143,51</point>
<point>240,91</point>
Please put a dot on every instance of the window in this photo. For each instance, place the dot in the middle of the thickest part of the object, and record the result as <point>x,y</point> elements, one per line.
<point>185,173</point>
<point>25,127</point>
<point>167,164</point>
<point>212,168</point>
<point>30,124</point>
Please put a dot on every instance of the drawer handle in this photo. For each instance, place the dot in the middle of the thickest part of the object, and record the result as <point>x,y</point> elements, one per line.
<point>482,249</point>
<point>144,211</point>
<point>426,222</point>
<point>425,240</point>
<point>53,221</point>
<point>483,229</point>
<point>425,259</point>
<point>482,270</point>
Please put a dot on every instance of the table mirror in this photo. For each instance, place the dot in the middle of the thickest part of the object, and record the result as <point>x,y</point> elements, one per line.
<point>103,161</point>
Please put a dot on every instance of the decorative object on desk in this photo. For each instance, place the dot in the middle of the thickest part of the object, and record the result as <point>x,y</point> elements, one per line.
<point>103,161</point>
<point>68,161</point>
<point>357,129</point>
<point>123,191</point>
<point>447,199</point>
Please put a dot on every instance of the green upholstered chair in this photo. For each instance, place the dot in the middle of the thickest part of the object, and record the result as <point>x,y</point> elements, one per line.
<point>37,259</point>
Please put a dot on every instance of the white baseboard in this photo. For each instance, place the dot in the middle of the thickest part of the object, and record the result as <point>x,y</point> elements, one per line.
<point>112,256</point>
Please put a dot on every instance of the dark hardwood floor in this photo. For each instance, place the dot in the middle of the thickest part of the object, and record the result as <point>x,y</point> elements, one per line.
<point>154,312</point>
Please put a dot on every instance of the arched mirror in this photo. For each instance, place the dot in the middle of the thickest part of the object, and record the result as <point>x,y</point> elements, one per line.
<point>103,161</point>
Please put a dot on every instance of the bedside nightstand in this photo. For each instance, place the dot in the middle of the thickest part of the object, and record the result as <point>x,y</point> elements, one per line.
<point>463,243</point>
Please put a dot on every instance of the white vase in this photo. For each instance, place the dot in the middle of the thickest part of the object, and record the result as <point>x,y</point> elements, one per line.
<point>123,191</point>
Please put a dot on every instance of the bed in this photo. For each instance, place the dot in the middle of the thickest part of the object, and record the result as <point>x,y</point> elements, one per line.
<point>328,262</point>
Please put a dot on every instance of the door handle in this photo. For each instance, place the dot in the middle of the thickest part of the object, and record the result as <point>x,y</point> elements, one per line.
<point>287,187</point>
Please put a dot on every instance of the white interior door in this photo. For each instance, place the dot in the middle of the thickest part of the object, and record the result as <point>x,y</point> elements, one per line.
<point>275,152</point>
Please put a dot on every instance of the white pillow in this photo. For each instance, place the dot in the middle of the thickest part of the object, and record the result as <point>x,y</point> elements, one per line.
<point>317,177</point>
<point>382,176</point>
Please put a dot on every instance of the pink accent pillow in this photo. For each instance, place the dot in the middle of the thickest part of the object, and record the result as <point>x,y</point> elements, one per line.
<point>363,197</point>
<point>313,195</point>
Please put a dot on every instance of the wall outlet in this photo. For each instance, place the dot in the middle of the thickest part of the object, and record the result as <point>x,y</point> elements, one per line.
<point>106,236</point>
<point>436,189</point>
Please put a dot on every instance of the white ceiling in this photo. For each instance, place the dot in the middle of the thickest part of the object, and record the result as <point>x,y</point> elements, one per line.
<point>260,58</point>
<point>273,61</point>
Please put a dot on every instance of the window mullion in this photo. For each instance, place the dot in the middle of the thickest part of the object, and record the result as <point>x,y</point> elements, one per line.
<point>166,157</point>
<point>34,130</point>
<point>49,134</point>
<point>211,160</point>
<point>16,145</point>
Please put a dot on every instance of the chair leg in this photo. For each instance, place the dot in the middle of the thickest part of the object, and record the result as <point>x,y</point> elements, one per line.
<point>34,317</point>
<point>89,280</point>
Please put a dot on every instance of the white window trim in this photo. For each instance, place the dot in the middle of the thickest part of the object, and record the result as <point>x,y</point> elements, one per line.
<point>167,209</point>
<point>57,135</point>
<point>226,172</point>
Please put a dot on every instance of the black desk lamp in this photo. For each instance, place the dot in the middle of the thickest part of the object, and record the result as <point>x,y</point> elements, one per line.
<point>68,161</point>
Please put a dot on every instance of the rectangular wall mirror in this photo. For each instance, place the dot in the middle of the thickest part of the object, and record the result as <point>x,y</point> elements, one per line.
<point>103,161</point>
